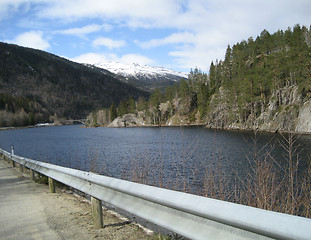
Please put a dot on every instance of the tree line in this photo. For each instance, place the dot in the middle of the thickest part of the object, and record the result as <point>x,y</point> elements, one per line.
<point>19,111</point>
<point>250,71</point>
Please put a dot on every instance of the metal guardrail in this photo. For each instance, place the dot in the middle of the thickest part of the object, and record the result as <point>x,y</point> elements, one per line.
<point>189,215</point>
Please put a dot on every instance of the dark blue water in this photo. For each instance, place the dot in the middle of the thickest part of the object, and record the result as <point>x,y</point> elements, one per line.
<point>173,152</point>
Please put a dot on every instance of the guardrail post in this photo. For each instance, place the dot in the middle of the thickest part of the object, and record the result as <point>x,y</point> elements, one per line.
<point>12,154</point>
<point>12,148</point>
<point>32,175</point>
<point>21,168</point>
<point>97,212</point>
<point>51,185</point>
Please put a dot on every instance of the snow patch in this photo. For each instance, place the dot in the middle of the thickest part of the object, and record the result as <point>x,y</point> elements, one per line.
<point>138,71</point>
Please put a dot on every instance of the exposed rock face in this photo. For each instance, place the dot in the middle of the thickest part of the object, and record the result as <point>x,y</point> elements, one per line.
<point>304,118</point>
<point>128,120</point>
<point>178,120</point>
<point>220,114</point>
<point>284,111</point>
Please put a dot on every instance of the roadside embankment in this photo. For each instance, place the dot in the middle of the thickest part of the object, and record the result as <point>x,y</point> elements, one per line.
<point>28,209</point>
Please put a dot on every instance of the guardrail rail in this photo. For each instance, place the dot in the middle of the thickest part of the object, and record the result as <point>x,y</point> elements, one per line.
<point>191,216</point>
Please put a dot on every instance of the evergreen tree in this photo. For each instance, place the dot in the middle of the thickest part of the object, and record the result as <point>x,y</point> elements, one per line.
<point>122,108</point>
<point>142,104</point>
<point>131,105</point>
<point>113,112</point>
<point>183,90</point>
<point>212,79</point>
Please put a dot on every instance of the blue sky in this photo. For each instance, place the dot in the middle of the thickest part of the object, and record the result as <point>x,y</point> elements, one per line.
<point>175,34</point>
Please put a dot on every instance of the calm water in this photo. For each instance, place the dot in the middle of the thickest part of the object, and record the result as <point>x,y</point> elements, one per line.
<point>124,152</point>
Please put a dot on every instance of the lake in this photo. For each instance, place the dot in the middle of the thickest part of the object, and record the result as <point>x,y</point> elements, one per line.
<point>163,156</point>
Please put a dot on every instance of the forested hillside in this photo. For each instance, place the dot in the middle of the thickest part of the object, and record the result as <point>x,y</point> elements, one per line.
<point>37,86</point>
<point>255,71</point>
<point>262,83</point>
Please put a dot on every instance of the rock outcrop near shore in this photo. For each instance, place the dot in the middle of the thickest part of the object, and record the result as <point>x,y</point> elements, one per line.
<point>285,111</point>
<point>304,118</point>
<point>128,120</point>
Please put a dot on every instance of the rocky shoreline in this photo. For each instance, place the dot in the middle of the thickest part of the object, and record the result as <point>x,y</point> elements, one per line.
<point>131,121</point>
<point>286,110</point>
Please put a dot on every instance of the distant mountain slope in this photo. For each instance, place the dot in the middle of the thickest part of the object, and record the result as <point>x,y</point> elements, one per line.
<point>40,85</point>
<point>144,77</point>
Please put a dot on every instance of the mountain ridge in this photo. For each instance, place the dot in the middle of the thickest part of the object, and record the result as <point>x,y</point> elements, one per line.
<point>133,69</point>
<point>142,76</point>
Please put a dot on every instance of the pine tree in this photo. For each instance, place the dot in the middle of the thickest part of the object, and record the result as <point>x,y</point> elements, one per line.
<point>131,105</point>
<point>212,79</point>
<point>113,112</point>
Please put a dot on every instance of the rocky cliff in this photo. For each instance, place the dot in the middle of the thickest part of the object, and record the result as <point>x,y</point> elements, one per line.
<point>284,111</point>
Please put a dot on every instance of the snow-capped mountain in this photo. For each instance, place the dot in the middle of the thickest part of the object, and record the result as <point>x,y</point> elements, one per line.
<point>145,77</point>
<point>136,70</point>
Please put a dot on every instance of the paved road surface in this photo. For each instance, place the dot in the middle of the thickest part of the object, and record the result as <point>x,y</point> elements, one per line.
<point>29,211</point>
<point>21,210</point>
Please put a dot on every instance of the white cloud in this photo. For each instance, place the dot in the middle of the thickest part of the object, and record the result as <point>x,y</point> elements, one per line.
<point>109,43</point>
<point>191,50</point>
<point>188,58</point>
<point>175,38</point>
<point>95,58</point>
<point>9,7</point>
<point>91,58</point>
<point>208,26</point>
<point>197,15</point>
<point>198,31</point>
<point>135,13</point>
<point>135,58</point>
<point>32,39</point>
<point>81,31</point>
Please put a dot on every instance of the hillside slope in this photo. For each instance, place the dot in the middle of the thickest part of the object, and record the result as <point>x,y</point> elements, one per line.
<point>264,84</point>
<point>35,85</point>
